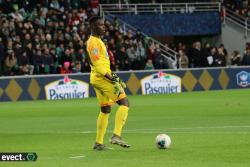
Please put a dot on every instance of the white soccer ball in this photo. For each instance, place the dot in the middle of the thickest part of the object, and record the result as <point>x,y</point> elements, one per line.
<point>163,141</point>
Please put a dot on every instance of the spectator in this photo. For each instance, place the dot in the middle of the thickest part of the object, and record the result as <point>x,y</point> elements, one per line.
<point>116,23</point>
<point>224,50</point>
<point>66,68</point>
<point>111,58</point>
<point>151,51</point>
<point>138,36</point>
<point>236,58</point>
<point>25,66</point>
<point>82,59</point>
<point>10,63</point>
<point>190,55</point>
<point>59,52</point>
<point>94,4</point>
<point>7,6</point>
<point>77,68</point>
<point>206,52</point>
<point>159,61</point>
<point>132,56</point>
<point>212,57</point>
<point>199,58</point>
<point>140,56</point>
<point>18,50</point>
<point>29,51</point>
<point>64,5</point>
<point>55,4</point>
<point>48,62</point>
<point>83,14</point>
<point>183,59</point>
<point>38,62</point>
<point>221,61</point>
<point>111,46</point>
<point>67,56</point>
<point>246,57</point>
<point>149,65</point>
<point>17,16</point>
<point>122,60</point>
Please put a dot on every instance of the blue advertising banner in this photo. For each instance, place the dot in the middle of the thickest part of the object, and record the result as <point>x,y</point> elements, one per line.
<point>77,86</point>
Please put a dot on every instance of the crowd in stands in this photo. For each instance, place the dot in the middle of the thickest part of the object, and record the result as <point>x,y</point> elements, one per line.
<point>241,7</point>
<point>38,37</point>
<point>49,37</point>
<point>210,56</point>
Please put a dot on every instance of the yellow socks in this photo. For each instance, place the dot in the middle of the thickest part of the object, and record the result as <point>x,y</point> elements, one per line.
<point>120,119</point>
<point>102,123</point>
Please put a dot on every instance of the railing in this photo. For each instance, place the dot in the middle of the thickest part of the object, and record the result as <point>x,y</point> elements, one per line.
<point>106,10</point>
<point>161,8</point>
<point>167,52</point>
<point>241,21</point>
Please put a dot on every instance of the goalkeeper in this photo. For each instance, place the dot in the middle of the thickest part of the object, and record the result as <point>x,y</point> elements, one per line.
<point>108,86</point>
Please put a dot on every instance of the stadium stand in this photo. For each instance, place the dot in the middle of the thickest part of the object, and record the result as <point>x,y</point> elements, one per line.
<point>38,38</point>
<point>41,37</point>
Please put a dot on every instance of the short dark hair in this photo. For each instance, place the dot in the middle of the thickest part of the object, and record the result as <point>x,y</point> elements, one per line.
<point>93,19</point>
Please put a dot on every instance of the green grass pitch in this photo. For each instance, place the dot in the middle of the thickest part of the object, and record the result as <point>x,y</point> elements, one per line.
<point>208,129</point>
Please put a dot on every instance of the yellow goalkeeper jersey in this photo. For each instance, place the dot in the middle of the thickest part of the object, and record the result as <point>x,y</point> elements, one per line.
<point>98,57</point>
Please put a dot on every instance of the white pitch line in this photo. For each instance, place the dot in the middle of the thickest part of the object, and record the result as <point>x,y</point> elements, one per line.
<point>136,132</point>
<point>144,130</point>
<point>187,128</point>
<point>78,157</point>
<point>213,132</point>
<point>213,127</point>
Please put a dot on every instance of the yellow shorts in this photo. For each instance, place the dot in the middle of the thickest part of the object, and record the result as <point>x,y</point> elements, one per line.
<point>104,90</point>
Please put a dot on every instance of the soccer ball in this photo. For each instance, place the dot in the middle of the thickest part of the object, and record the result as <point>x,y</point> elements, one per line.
<point>162,141</point>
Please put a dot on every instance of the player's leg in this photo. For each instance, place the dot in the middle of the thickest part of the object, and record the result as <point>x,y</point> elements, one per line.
<point>121,115</point>
<point>108,90</point>
<point>102,124</point>
<point>102,120</point>
<point>120,120</point>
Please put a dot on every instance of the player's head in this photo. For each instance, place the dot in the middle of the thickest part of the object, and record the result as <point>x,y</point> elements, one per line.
<point>97,25</point>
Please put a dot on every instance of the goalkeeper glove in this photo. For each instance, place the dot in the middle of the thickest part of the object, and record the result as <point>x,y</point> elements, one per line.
<point>119,85</point>
<point>117,79</point>
<point>118,88</point>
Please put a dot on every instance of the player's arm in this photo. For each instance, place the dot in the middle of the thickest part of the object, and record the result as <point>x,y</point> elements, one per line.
<point>109,77</point>
<point>94,57</point>
<point>94,53</point>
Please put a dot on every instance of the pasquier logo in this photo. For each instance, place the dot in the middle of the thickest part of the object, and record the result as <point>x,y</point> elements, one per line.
<point>161,83</point>
<point>66,89</point>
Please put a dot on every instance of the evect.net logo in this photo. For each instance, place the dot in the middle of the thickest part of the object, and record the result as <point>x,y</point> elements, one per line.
<point>18,156</point>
